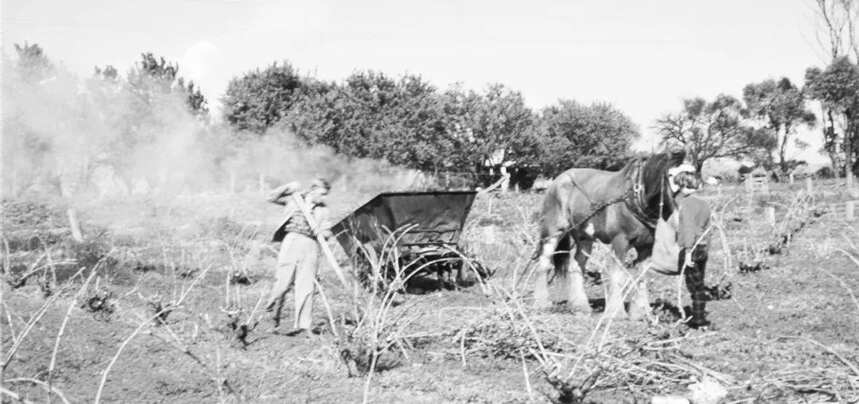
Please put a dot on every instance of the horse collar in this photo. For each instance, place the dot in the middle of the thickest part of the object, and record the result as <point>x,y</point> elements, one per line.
<point>637,202</point>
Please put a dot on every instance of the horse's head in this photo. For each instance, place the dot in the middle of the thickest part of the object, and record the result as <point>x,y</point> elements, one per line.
<point>654,178</point>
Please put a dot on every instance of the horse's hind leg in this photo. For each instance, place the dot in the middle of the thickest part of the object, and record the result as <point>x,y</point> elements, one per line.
<point>578,298</point>
<point>544,265</point>
<point>561,261</point>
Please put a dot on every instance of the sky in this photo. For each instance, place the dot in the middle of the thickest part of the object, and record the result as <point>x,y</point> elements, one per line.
<point>642,56</point>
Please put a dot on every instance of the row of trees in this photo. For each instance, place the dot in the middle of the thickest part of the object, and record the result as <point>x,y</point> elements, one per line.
<point>128,121</point>
<point>766,120</point>
<point>409,122</point>
<point>759,126</point>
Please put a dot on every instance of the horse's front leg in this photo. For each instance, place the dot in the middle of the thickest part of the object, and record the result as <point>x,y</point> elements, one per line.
<point>617,280</point>
<point>639,306</point>
<point>578,298</point>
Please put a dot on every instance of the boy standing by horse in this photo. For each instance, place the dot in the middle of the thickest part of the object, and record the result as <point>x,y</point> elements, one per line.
<point>692,237</point>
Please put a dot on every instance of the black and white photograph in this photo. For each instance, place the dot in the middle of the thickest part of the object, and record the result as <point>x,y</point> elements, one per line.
<point>376,201</point>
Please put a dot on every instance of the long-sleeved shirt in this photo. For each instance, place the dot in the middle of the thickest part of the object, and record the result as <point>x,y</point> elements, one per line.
<point>693,221</point>
<point>295,221</point>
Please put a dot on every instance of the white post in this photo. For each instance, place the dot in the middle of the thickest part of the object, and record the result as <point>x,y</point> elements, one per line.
<point>849,210</point>
<point>809,185</point>
<point>74,225</point>
<point>505,179</point>
<point>771,215</point>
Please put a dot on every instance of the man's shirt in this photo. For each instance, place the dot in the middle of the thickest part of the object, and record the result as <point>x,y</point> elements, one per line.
<point>693,222</point>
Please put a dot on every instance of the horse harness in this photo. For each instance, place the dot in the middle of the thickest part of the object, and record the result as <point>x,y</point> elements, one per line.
<point>636,203</point>
<point>633,197</point>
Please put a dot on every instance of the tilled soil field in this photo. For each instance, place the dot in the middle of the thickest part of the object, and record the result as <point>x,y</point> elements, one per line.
<point>160,303</point>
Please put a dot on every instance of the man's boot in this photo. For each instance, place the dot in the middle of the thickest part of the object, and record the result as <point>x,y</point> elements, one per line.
<point>699,313</point>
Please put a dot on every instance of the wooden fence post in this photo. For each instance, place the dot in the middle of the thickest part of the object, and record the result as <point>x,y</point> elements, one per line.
<point>771,215</point>
<point>75,225</point>
<point>849,214</point>
<point>809,185</point>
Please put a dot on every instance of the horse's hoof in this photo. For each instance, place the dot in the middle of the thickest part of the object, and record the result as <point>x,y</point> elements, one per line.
<point>578,308</point>
<point>542,305</point>
<point>616,314</point>
<point>639,312</point>
<point>640,315</point>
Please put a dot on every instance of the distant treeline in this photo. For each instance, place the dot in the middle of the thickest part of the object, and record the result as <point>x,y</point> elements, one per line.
<point>409,122</point>
<point>405,120</point>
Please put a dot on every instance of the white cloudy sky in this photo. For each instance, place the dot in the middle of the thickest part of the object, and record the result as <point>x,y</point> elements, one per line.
<point>642,56</point>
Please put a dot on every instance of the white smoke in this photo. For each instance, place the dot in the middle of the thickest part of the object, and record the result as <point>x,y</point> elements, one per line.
<point>70,136</point>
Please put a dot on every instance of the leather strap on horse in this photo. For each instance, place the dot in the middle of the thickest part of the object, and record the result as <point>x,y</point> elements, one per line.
<point>638,201</point>
<point>633,197</point>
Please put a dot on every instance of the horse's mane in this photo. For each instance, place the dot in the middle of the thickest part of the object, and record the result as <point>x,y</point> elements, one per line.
<point>653,176</point>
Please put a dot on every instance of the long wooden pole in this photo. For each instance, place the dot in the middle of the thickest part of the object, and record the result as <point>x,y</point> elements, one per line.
<point>321,240</point>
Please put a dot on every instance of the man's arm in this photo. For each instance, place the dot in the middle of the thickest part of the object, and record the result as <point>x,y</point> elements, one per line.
<point>279,195</point>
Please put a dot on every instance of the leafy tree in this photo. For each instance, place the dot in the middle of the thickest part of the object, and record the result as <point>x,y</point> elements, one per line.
<point>712,129</point>
<point>153,79</point>
<point>837,88</point>
<point>373,115</point>
<point>837,20</point>
<point>421,140</point>
<point>260,98</point>
<point>575,135</point>
<point>480,125</point>
<point>33,65</point>
<point>837,27</point>
<point>107,73</point>
<point>781,105</point>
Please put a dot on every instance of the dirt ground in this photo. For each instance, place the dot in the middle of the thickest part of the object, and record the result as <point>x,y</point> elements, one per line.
<point>788,333</point>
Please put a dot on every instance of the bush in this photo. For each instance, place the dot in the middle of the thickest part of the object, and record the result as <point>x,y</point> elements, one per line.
<point>825,173</point>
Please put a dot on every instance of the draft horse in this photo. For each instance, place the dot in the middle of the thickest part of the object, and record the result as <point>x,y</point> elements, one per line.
<point>619,208</point>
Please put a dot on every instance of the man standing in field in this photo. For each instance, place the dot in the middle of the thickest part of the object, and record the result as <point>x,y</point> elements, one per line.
<point>692,237</point>
<point>298,260</point>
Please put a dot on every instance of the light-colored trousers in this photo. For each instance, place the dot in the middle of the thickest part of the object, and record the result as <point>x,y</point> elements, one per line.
<point>297,263</point>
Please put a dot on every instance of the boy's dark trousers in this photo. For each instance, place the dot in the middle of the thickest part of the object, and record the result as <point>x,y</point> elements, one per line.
<point>695,284</point>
